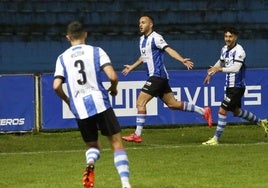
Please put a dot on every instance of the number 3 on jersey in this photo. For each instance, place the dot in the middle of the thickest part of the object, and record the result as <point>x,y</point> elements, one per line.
<point>81,66</point>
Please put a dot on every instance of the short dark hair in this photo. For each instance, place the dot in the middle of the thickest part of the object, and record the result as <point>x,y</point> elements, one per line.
<point>75,29</point>
<point>150,17</point>
<point>232,30</point>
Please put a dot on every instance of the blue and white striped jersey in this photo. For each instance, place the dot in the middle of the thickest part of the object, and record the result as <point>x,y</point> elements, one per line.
<point>81,67</point>
<point>229,56</point>
<point>152,53</point>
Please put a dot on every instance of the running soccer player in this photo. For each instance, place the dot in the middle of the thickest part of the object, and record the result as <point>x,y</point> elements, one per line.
<point>152,48</point>
<point>232,62</point>
<point>80,66</point>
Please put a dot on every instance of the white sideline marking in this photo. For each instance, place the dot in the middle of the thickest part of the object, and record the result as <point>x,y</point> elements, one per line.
<point>149,146</point>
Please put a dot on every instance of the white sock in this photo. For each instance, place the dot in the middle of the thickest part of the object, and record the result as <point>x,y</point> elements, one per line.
<point>92,155</point>
<point>138,130</point>
<point>188,107</point>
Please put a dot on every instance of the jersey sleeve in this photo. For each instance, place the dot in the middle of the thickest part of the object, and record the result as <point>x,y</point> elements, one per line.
<point>222,54</point>
<point>59,70</point>
<point>160,42</point>
<point>240,55</point>
<point>104,58</point>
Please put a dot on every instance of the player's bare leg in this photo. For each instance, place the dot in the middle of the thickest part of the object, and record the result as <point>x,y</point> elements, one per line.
<point>142,101</point>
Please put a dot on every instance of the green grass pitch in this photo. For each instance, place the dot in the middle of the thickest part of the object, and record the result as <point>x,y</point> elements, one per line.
<point>167,158</point>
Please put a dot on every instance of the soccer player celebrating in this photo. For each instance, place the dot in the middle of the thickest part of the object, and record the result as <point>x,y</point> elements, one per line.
<point>152,48</point>
<point>80,66</point>
<point>232,62</point>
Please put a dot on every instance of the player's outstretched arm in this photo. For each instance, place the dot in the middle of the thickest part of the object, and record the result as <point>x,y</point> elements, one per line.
<point>212,70</point>
<point>129,68</point>
<point>207,79</point>
<point>186,61</point>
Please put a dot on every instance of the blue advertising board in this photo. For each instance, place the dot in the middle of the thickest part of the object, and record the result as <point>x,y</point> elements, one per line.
<point>186,85</point>
<point>53,108</point>
<point>16,103</point>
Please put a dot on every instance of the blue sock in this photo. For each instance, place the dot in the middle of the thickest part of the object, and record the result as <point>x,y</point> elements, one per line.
<point>221,126</point>
<point>122,165</point>
<point>249,116</point>
<point>92,155</point>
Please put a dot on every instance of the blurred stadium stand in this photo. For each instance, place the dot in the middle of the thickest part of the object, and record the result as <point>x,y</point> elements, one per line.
<point>32,32</point>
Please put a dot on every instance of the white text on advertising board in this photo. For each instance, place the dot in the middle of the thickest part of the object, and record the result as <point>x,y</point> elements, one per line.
<point>124,103</point>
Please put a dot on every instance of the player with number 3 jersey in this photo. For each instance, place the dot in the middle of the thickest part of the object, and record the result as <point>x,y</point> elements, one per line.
<point>80,67</point>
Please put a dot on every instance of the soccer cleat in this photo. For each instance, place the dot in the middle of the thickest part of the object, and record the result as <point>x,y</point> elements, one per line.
<point>132,138</point>
<point>208,116</point>
<point>88,177</point>
<point>264,124</point>
<point>211,142</point>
